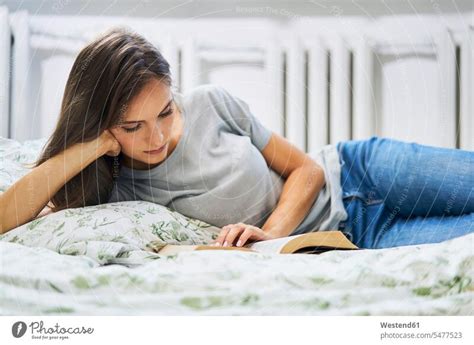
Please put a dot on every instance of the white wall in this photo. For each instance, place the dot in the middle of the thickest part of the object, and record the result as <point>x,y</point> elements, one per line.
<point>4,72</point>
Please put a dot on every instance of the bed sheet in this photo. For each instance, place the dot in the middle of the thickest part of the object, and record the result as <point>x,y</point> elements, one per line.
<point>429,279</point>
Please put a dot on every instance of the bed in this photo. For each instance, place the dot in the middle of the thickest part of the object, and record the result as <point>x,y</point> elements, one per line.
<point>100,260</point>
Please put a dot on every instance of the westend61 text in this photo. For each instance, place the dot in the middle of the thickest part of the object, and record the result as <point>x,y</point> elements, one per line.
<point>399,325</point>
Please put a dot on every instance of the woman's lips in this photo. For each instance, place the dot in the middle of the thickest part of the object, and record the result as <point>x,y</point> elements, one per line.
<point>156,151</point>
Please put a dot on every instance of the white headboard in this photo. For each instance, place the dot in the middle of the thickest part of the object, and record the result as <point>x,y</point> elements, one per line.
<point>315,81</point>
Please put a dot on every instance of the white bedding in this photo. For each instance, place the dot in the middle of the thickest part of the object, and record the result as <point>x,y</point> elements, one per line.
<point>431,279</point>
<point>98,261</point>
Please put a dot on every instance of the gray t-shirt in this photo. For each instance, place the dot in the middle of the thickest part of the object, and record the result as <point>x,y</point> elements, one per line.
<point>217,174</point>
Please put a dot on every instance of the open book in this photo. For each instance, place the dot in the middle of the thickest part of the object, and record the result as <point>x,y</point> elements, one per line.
<point>308,243</point>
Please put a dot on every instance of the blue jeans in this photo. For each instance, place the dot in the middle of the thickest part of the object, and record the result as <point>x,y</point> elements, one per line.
<point>399,193</point>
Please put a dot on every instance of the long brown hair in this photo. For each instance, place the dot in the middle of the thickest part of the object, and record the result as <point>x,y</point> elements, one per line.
<point>104,78</point>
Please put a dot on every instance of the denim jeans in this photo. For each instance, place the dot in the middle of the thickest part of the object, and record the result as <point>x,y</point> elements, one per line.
<point>401,193</point>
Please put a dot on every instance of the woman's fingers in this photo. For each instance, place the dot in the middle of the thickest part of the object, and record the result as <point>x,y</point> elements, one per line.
<point>221,237</point>
<point>243,232</point>
<point>244,237</point>
<point>228,234</point>
<point>111,142</point>
<point>232,234</point>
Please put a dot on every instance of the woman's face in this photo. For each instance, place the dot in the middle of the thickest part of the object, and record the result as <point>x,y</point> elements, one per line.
<point>146,125</point>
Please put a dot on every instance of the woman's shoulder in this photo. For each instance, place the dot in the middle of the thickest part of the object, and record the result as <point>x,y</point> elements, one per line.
<point>206,93</point>
<point>206,102</point>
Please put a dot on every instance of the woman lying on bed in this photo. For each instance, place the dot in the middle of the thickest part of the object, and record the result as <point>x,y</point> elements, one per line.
<point>124,134</point>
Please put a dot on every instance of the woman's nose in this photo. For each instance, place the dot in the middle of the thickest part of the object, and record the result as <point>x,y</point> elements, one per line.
<point>157,137</point>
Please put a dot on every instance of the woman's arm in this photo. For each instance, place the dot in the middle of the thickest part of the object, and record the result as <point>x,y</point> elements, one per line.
<point>304,180</point>
<point>23,201</point>
<point>299,192</point>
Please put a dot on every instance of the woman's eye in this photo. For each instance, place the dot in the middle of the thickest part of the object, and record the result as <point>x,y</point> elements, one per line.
<point>131,129</point>
<point>168,113</point>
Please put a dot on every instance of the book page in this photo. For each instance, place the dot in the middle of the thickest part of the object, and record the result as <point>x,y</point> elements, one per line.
<point>271,246</point>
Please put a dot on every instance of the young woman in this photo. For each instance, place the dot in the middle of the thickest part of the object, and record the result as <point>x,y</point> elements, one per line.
<point>123,134</point>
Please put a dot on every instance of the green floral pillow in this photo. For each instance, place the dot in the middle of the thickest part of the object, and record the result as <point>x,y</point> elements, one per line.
<point>110,231</point>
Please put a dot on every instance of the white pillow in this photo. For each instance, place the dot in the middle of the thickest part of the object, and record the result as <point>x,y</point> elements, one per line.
<point>110,231</point>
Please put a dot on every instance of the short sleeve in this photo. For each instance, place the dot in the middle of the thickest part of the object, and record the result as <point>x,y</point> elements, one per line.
<point>236,113</point>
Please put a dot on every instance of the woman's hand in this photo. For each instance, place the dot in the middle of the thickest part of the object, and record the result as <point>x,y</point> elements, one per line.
<point>109,143</point>
<point>243,232</point>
